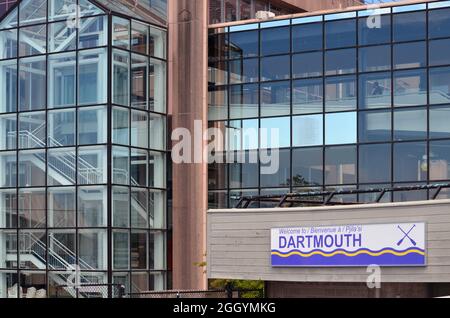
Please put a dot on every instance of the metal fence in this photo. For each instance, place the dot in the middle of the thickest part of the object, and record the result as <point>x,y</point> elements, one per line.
<point>90,291</point>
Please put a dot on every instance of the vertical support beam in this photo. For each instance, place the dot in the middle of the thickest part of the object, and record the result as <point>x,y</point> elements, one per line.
<point>188,37</point>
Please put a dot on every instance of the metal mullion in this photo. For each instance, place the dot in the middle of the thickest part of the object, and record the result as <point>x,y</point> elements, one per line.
<point>324,92</point>
<point>392,141</point>
<point>46,141</point>
<point>291,107</point>
<point>427,54</point>
<point>357,77</point>
<point>77,187</point>
<point>17,154</point>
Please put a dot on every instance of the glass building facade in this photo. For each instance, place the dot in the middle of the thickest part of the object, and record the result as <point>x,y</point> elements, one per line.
<point>82,148</point>
<point>361,100</point>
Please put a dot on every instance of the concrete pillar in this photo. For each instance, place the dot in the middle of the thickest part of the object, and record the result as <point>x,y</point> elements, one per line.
<point>188,102</point>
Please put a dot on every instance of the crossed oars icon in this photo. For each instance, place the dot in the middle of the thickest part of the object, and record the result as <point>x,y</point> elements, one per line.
<point>406,236</point>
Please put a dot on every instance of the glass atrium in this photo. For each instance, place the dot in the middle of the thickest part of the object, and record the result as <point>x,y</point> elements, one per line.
<point>82,148</point>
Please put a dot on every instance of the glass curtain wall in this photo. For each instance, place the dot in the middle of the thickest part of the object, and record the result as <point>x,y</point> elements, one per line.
<point>356,106</point>
<point>59,129</point>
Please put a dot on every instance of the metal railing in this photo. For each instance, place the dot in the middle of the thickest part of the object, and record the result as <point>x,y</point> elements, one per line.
<point>325,198</point>
<point>229,292</point>
<point>90,291</point>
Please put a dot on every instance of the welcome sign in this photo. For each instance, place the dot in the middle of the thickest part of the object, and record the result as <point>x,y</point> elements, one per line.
<point>349,246</point>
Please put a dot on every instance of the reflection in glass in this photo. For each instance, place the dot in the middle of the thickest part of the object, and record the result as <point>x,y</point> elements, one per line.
<point>307,37</point>
<point>439,23</point>
<point>438,52</point>
<point>340,165</point>
<point>275,68</point>
<point>409,26</point>
<point>33,40</point>
<point>282,177</point>
<point>120,206</point>
<point>32,130</point>
<point>32,83</point>
<point>92,125</point>
<point>139,81</point>
<point>61,37</point>
<point>121,78</point>
<point>92,74</point>
<point>340,128</point>
<point>307,96</point>
<point>307,167</point>
<point>410,55</point>
<point>410,88</point>
<point>374,126</point>
<point>120,126</point>
<point>410,124</point>
<point>61,207</point>
<point>375,90</point>
<point>243,44</point>
<point>275,133</point>
<point>8,89</point>
<point>375,163</point>
<point>307,130</point>
<point>440,85</point>
<point>307,64</point>
<point>410,162</point>
<point>61,80</point>
<point>340,33</point>
<point>218,103</point>
<point>92,206</point>
<point>339,62</point>
<point>121,33</point>
<point>244,101</point>
<point>439,119</point>
<point>275,41</point>
<point>8,132</point>
<point>340,93</point>
<point>61,167</point>
<point>244,71</point>
<point>375,58</point>
<point>369,35</point>
<point>275,98</point>
<point>440,160</point>
<point>245,174</point>
<point>92,165</point>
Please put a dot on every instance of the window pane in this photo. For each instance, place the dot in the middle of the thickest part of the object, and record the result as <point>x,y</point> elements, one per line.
<point>92,251</point>
<point>121,165</point>
<point>275,41</point>
<point>157,89</point>
<point>340,33</point>
<point>340,93</point>
<point>282,176</point>
<point>307,130</point>
<point>275,98</point>
<point>438,52</point>
<point>139,208</point>
<point>439,23</point>
<point>409,55</point>
<point>158,42</point>
<point>61,37</point>
<point>92,206</point>
<point>32,11</point>
<point>410,88</point>
<point>121,250</point>
<point>307,167</point>
<point>275,133</point>
<point>375,126</point>
<point>243,134</point>
<point>61,128</point>
<point>157,170</point>
<point>340,165</point>
<point>439,85</point>
<point>244,71</point>
<point>439,119</point>
<point>139,250</point>
<point>243,44</point>
<point>157,132</point>
<point>61,80</point>
<point>8,44</point>
<point>375,90</point>
<point>307,64</point>
<point>61,10</point>
<point>9,21</point>
<point>244,101</point>
<point>409,26</point>
<point>32,168</point>
<point>340,128</point>
<point>307,96</point>
<point>218,102</point>
<point>33,40</point>
<point>32,83</point>
<point>375,58</point>
<point>121,126</point>
<point>368,34</point>
<point>121,206</point>
<point>8,132</point>
<point>276,68</point>
<point>92,165</point>
<point>139,173</point>
<point>139,81</point>
<point>157,209</point>
<point>61,207</point>
<point>439,160</point>
<point>92,125</point>
<point>121,78</point>
<point>40,239</point>
<point>218,72</point>
<point>61,167</point>
<point>32,130</point>
<point>92,32</point>
<point>139,129</point>
<point>32,208</point>
<point>410,162</point>
<point>244,175</point>
<point>340,62</point>
<point>307,37</point>
<point>92,74</point>
<point>8,89</point>
<point>410,124</point>
<point>375,163</point>
<point>139,37</point>
<point>121,33</point>
<point>8,164</point>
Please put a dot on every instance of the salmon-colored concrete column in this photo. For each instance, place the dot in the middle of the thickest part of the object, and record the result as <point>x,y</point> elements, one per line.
<point>188,37</point>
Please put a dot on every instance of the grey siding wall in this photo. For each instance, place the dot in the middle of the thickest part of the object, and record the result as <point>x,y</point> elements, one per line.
<point>239,241</point>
